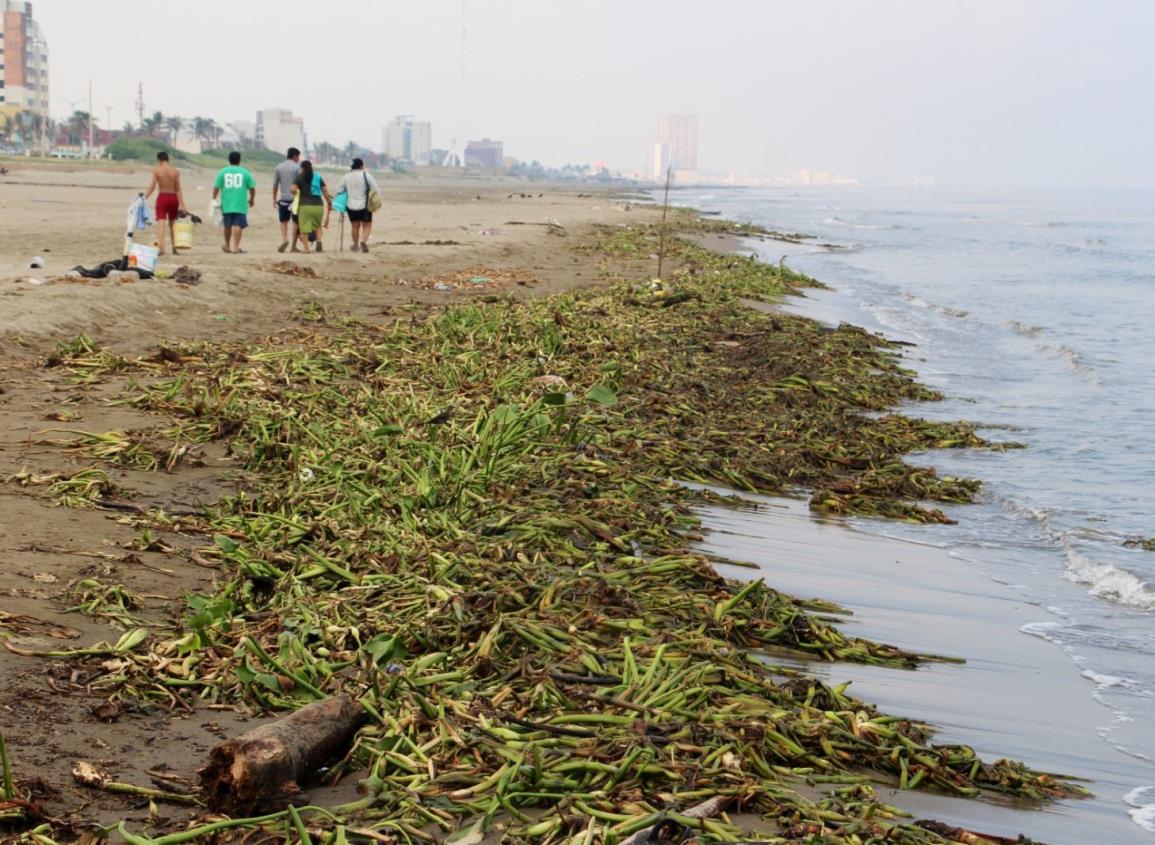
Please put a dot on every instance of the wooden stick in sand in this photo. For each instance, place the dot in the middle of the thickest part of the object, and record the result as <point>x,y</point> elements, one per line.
<point>261,771</point>
<point>706,810</point>
<point>662,232</point>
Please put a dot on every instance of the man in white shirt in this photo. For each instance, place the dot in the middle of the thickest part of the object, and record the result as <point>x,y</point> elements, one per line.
<point>357,185</point>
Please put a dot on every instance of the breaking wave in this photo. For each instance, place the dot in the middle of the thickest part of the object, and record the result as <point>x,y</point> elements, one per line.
<point>1025,329</point>
<point>1141,800</point>
<point>938,309</point>
<point>838,221</point>
<point>1071,359</point>
<point>1108,582</point>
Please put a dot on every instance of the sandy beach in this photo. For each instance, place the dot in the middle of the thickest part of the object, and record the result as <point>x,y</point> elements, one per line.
<point>1008,700</point>
<point>76,216</point>
<point>71,216</point>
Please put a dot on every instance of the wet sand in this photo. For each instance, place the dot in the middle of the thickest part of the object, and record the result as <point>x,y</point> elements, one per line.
<point>1016,696</point>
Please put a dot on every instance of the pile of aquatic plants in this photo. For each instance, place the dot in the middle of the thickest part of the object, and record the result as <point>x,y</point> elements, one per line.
<point>470,520</point>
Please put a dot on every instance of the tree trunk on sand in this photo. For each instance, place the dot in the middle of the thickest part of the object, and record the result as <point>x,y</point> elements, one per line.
<point>261,771</point>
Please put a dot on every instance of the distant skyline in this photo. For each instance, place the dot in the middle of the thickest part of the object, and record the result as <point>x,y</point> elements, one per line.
<point>1019,92</point>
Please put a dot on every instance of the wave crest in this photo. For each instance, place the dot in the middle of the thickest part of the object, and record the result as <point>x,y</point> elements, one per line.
<point>1108,582</point>
<point>914,299</point>
<point>838,221</point>
<point>1025,329</point>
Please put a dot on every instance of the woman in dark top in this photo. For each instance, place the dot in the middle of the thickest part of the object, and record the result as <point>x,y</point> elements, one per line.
<point>312,198</point>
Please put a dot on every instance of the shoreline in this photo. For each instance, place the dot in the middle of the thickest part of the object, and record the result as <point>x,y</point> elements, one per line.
<point>138,480</point>
<point>1015,694</point>
<point>1094,749</point>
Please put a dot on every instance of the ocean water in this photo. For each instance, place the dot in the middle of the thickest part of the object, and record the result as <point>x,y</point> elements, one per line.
<point>1033,311</point>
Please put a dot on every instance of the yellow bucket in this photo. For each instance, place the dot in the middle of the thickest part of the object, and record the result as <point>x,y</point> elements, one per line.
<point>182,232</point>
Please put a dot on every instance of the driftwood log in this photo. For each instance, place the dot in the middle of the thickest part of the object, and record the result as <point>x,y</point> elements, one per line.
<point>261,771</point>
<point>970,837</point>
<point>706,810</point>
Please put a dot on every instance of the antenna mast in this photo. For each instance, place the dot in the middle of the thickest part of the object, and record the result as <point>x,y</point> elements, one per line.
<point>140,103</point>
<point>455,157</point>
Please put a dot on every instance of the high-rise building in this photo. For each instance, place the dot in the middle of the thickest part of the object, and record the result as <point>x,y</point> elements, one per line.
<point>408,140</point>
<point>23,61</point>
<point>485,153</point>
<point>662,161</point>
<point>420,142</point>
<point>278,129</point>
<point>680,132</point>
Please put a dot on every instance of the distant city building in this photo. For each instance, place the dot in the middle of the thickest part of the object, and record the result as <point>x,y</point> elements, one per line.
<point>245,129</point>
<point>278,129</point>
<point>405,139</point>
<point>817,177</point>
<point>23,61</point>
<point>484,153</point>
<point>680,133</point>
<point>187,141</point>
<point>662,161</point>
<point>421,142</point>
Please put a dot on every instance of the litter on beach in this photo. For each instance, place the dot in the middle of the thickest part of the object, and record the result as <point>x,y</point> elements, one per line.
<point>476,280</point>
<point>288,268</point>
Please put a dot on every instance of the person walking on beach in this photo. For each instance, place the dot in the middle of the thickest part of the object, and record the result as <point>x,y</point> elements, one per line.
<point>358,184</point>
<point>283,178</point>
<point>312,198</point>
<point>169,200</point>
<point>237,190</point>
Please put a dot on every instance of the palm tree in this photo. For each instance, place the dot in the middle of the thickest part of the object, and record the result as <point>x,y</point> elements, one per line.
<point>28,125</point>
<point>78,126</point>
<point>152,125</point>
<point>174,125</point>
<point>7,127</point>
<point>323,151</point>
<point>201,128</point>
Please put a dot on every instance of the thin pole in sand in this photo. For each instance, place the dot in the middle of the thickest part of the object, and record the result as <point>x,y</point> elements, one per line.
<point>91,117</point>
<point>662,235</point>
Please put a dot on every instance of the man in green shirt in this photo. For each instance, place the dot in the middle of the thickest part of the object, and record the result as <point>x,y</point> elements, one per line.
<point>237,190</point>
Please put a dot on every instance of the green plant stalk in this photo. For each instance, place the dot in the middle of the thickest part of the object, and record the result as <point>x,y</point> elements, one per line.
<point>6,785</point>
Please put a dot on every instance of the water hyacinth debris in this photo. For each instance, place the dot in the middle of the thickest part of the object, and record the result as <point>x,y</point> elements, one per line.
<point>511,595</point>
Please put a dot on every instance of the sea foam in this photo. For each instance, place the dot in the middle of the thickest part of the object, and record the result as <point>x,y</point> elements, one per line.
<point>1141,800</point>
<point>1108,582</point>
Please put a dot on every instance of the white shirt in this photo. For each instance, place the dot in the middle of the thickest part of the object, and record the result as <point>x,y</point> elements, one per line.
<point>354,185</point>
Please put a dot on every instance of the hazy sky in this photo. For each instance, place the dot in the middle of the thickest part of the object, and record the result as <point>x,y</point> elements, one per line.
<point>1022,92</point>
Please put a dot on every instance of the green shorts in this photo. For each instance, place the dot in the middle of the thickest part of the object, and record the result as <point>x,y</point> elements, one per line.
<point>309,217</point>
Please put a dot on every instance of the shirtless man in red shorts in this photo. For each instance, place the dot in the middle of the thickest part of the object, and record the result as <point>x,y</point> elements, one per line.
<point>169,202</point>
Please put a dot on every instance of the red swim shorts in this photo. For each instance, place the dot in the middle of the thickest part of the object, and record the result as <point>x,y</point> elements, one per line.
<point>167,206</point>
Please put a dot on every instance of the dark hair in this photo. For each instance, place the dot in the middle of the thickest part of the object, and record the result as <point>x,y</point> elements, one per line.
<point>307,172</point>
<point>162,156</point>
<point>358,164</point>
<point>234,158</point>
<point>293,152</point>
